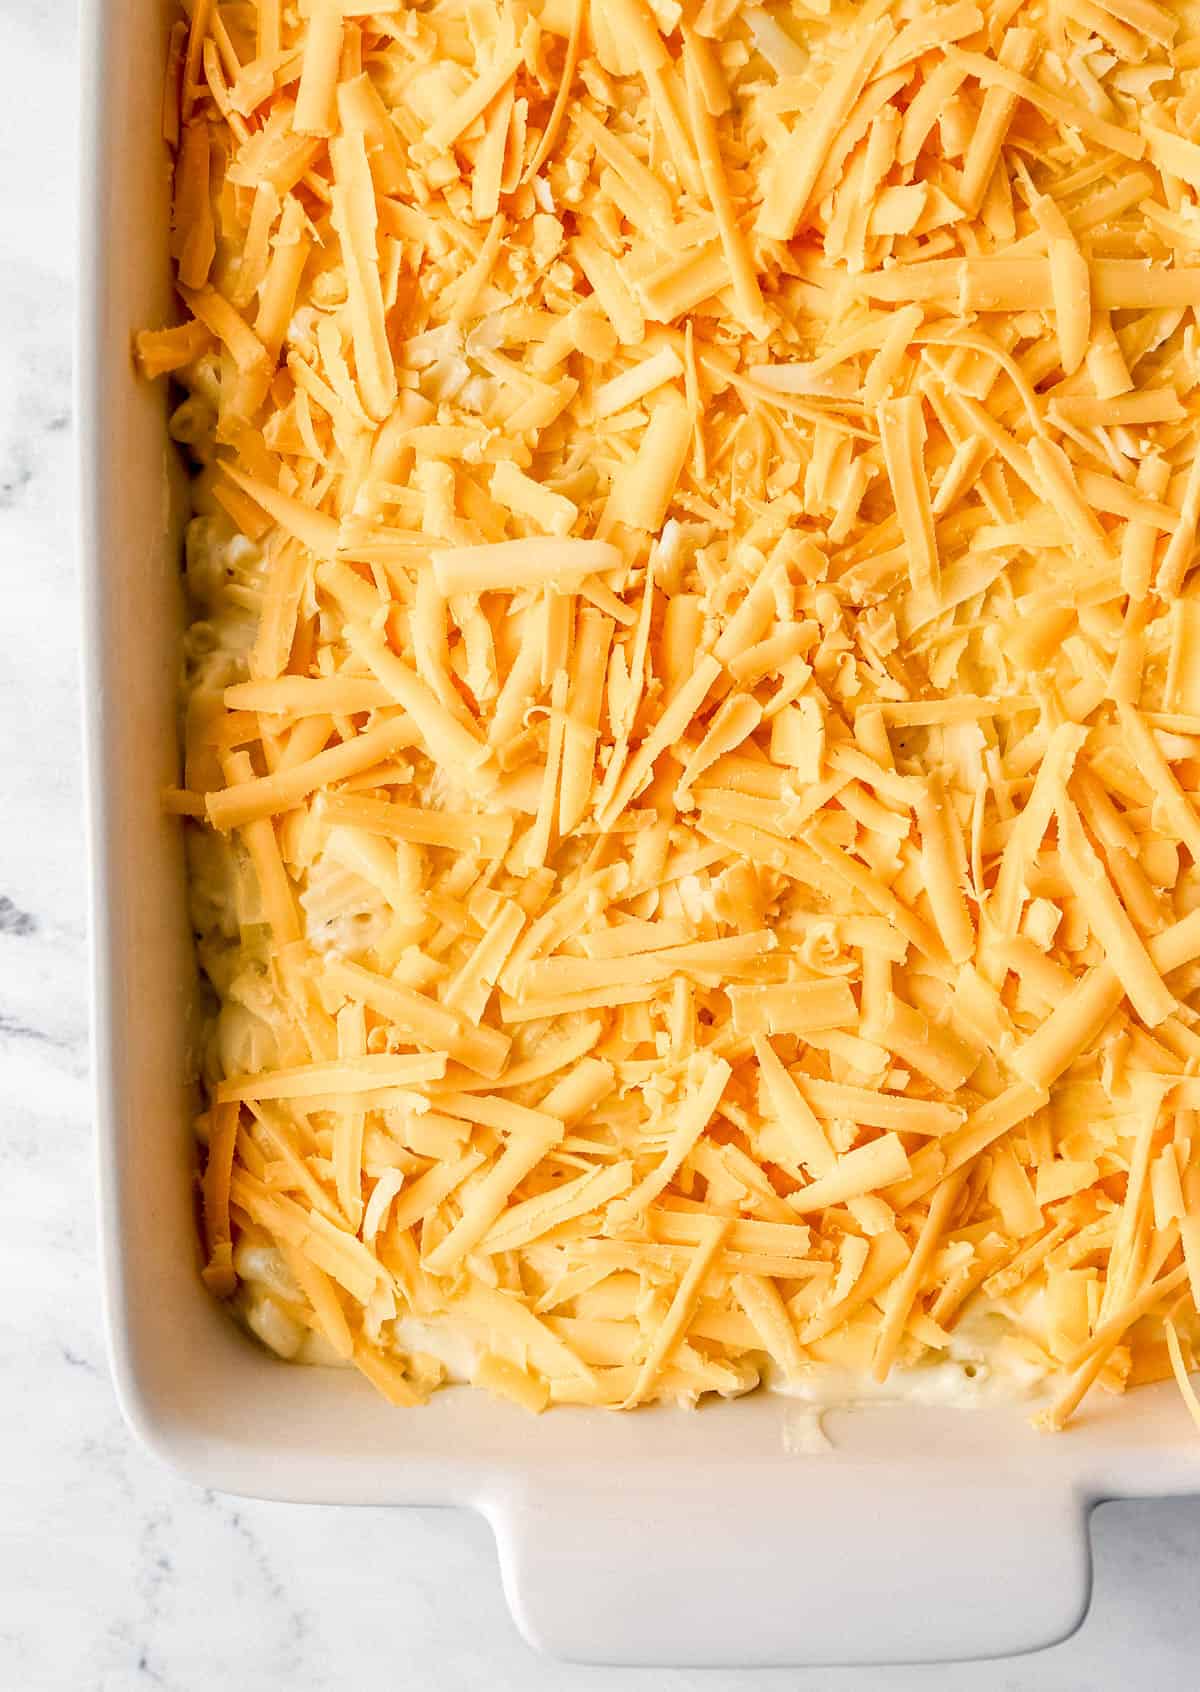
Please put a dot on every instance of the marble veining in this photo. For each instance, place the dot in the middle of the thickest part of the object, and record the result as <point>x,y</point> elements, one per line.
<point>115,1574</point>
<point>15,921</point>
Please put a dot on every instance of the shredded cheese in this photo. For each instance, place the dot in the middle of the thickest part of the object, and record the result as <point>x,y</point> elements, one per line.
<point>692,730</point>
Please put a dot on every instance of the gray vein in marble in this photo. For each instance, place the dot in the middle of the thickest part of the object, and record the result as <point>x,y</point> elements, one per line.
<point>15,921</point>
<point>298,1622</point>
<point>74,1360</point>
<point>16,478</point>
<point>12,1028</point>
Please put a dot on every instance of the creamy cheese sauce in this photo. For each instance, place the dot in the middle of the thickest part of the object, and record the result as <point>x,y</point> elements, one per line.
<point>963,1380</point>
<point>449,1343</point>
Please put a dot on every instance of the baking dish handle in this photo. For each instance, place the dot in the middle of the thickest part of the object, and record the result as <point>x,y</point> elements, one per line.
<point>830,1565</point>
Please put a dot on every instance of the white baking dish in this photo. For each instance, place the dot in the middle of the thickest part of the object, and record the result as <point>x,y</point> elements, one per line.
<point>658,1537</point>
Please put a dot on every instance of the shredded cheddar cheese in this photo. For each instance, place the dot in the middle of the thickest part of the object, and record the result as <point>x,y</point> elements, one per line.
<point>692,720</point>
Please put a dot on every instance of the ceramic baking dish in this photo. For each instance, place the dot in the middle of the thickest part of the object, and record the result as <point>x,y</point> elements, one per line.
<point>661,1537</point>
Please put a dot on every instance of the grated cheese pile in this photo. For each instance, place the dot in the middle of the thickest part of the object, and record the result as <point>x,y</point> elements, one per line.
<point>693,717</point>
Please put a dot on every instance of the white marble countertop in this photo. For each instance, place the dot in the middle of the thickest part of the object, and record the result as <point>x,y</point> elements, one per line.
<point>114,1574</point>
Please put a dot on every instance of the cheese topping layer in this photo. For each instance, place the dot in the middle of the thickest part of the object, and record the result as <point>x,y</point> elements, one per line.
<point>693,712</point>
